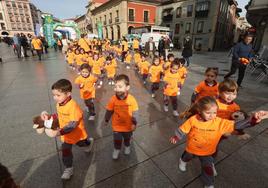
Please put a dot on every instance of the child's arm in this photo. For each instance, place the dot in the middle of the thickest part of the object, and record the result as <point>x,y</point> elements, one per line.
<point>181,132</point>
<point>134,119</point>
<point>194,97</point>
<point>68,128</point>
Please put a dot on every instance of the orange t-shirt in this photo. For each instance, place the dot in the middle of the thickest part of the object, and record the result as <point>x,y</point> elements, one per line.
<point>203,137</point>
<point>172,83</point>
<point>166,66</point>
<point>84,43</point>
<point>203,90</point>
<point>183,72</point>
<point>96,67</point>
<point>137,58</point>
<point>136,44</point>
<point>111,69</point>
<point>70,57</point>
<point>225,111</point>
<point>125,46</point>
<point>155,72</point>
<point>71,111</point>
<point>102,61</point>
<point>81,59</point>
<point>37,44</point>
<point>128,58</point>
<point>122,113</point>
<point>144,67</point>
<point>88,89</point>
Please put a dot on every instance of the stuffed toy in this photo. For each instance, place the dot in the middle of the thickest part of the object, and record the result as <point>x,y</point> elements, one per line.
<point>244,61</point>
<point>239,116</point>
<point>50,126</point>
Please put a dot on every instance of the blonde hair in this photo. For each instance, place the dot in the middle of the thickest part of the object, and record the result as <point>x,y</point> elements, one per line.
<point>228,85</point>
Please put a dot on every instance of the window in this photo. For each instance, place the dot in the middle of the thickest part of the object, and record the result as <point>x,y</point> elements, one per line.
<point>117,13</point>
<point>200,26</point>
<point>189,10</point>
<point>1,16</point>
<point>131,15</point>
<point>204,6</point>
<point>111,17</point>
<point>3,26</point>
<point>105,18</point>
<point>177,29</point>
<point>188,28</point>
<point>13,4</point>
<point>178,13</point>
<point>146,16</point>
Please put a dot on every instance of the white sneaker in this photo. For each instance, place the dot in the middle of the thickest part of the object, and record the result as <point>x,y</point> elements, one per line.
<point>175,113</point>
<point>214,170</point>
<point>153,95</point>
<point>91,118</point>
<point>165,108</point>
<point>127,150</point>
<point>87,110</point>
<point>182,165</point>
<point>68,172</point>
<point>209,186</point>
<point>99,86</point>
<point>116,154</point>
<point>112,83</point>
<point>88,148</point>
<point>144,82</point>
<point>179,93</point>
<point>101,83</point>
<point>109,83</point>
<point>128,67</point>
<point>73,68</point>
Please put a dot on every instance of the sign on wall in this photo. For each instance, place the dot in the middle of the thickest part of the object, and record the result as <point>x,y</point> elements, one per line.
<point>48,29</point>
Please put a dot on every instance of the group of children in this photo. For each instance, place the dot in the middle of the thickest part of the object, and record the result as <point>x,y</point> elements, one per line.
<point>206,122</point>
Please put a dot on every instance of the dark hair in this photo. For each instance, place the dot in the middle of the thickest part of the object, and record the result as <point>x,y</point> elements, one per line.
<point>170,55</point>
<point>143,55</point>
<point>176,62</point>
<point>85,66</point>
<point>215,70</point>
<point>228,85</point>
<point>203,104</point>
<point>108,58</point>
<point>122,77</point>
<point>155,57</point>
<point>6,179</point>
<point>63,85</point>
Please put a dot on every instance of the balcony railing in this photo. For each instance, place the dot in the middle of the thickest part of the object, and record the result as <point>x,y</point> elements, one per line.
<point>116,19</point>
<point>168,18</point>
<point>201,14</point>
<point>110,21</point>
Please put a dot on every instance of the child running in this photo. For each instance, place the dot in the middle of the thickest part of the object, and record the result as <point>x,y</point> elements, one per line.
<point>144,68</point>
<point>172,85</point>
<point>155,72</point>
<point>128,59</point>
<point>203,130</point>
<point>208,87</point>
<point>86,83</point>
<point>123,109</point>
<point>72,130</point>
<point>96,65</point>
<point>110,68</point>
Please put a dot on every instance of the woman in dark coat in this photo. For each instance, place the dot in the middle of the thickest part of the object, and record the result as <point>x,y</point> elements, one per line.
<point>187,51</point>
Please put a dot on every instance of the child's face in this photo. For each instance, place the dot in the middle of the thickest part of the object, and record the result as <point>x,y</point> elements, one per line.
<point>96,57</point>
<point>60,96</point>
<point>228,96</point>
<point>108,62</point>
<point>85,73</point>
<point>174,69</point>
<point>121,88</point>
<point>171,59</point>
<point>156,62</point>
<point>162,57</point>
<point>143,58</point>
<point>82,51</point>
<point>210,76</point>
<point>210,113</point>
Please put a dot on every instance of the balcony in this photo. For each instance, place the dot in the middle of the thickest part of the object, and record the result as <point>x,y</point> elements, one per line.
<point>202,9</point>
<point>167,18</point>
<point>201,14</point>
<point>116,19</point>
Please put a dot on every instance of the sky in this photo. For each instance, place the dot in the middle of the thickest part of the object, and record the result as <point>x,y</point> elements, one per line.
<point>71,8</point>
<point>62,8</point>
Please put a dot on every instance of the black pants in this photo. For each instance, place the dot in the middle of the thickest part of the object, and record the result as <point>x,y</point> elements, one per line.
<point>154,87</point>
<point>90,105</point>
<point>39,53</point>
<point>241,71</point>
<point>118,138</point>
<point>144,77</point>
<point>67,154</point>
<point>123,56</point>
<point>207,175</point>
<point>18,50</point>
<point>25,51</point>
<point>173,100</point>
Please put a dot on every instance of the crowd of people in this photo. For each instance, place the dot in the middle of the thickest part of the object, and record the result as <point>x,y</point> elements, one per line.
<point>208,121</point>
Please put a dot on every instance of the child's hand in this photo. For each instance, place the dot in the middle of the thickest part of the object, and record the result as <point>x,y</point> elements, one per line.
<point>174,139</point>
<point>44,115</point>
<point>133,127</point>
<point>260,115</point>
<point>58,133</point>
<point>244,137</point>
<point>81,85</point>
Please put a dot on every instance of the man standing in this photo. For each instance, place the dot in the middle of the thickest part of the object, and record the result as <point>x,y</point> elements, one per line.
<point>241,50</point>
<point>38,46</point>
<point>24,44</point>
<point>166,46</point>
<point>124,49</point>
<point>17,44</point>
<point>150,48</point>
<point>187,51</point>
<point>161,46</point>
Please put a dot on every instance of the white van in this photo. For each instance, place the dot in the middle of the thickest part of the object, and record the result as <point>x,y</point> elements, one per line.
<point>156,37</point>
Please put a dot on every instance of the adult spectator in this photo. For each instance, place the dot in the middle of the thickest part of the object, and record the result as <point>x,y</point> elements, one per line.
<point>17,44</point>
<point>59,43</point>
<point>84,43</point>
<point>38,46</point>
<point>161,46</point>
<point>45,45</point>
<point>187,50</point>
<point>24,44</point>
<point>64,44</point>
<point>241,50</point>
<point>150,48</point>
<point>166,46</point>
<point>30,37</point>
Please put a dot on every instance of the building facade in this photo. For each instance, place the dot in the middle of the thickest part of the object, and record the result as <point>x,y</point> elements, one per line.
<point>116,18</point>
<point>81,23</point>
<point>257,16</point>
<point>207,22</point>
<point>16,17</point>
<point>37,18</point>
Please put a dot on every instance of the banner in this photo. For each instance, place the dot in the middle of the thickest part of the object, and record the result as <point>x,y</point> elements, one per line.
<point>48,29</point>
<point>99,27</point>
